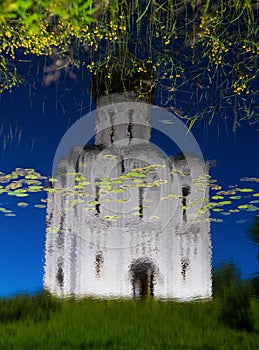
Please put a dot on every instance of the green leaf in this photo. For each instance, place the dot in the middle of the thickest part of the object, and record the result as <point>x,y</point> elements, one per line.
<point>2,209</point>
<point>22,204</point>
<point>135,174</point>
<point>243,206</point>
<point>118,190</point>
<point>224,203</point>
<point>217,197</point>
<point>10,193</point>
<point>244,189</point>
<point>35,188</point>
<point>252,208</point>
<point>173,195</point>
<point>52,179</point>
<point>75,201</point>
<point>21,194</point>
<point>94,203</point>
<point>115,181</point>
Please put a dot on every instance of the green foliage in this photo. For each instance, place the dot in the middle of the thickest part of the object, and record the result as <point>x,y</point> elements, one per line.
<point>236,310</point>
<point>255,285</point>
<point>224,276</point>
<point>32,12</point>
<point>204,47</point>
<point>38,27</point>
<point>235,296</point>
<point>36,308</point>
<point>128,325</point>
<point>253,231</point>
<point>77,12</point>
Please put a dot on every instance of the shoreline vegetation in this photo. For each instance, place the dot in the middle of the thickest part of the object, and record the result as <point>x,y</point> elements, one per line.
<point>41,321</point>
<point>203,53</point>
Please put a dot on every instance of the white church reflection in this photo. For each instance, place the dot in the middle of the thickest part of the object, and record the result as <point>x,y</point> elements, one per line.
<point>122,217</point>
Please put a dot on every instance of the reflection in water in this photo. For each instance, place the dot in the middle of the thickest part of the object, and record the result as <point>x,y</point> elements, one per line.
<point>133,222</point>
<point>143,273</point>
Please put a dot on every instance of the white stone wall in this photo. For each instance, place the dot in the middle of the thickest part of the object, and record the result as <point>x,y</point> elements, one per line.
<point>95,255</point>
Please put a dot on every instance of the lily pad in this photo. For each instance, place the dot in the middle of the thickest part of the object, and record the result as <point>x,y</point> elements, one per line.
<point>52,179</point>
<point>243,206</point>
<point>244,189</point>
<point>252,208</point>
<point>35,188</point>
<point>94,203</point>
<point>22,204</point>
<point>215,220</point>
<point>225,203</point>
<point>173,195</point>
<point>242,221</point>
<point>118,190</point>
<point>135,174</point>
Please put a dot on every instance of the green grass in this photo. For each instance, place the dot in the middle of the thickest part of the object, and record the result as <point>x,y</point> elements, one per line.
<point>42,322</point>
